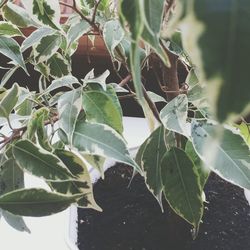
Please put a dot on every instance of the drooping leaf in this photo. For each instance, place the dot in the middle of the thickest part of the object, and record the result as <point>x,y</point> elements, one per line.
<point>40,162</point>
<point>47,47</point>
<point>35,37</point>
<point>113,35</point>
<point>174,115</point>
<point>225,152</point>
<point>10,48</point>
<point>17,15</point>
<point>153,152</point>
<point>100,108</point>
<point>69,107</point>
<point>100,139</point>
<point>9,101</point>
<point>181,186</point>
<point>82,184</point>
<point>8,75</point>
<point>202,170</point>
<point>36,202</point>
<point>8,29</point>
<point>219,49</point>
<point>59,66</point>
<point>44,12</point>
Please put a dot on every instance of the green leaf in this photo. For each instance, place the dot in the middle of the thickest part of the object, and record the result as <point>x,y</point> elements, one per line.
<point>17,15</point>
<point>10,48</point>
<point>181,186</point>
<point>9,101</point>
<point>59,66</point>
<point>8,75</point>
<point>36,202</point>
<point>153,152</point>
<point>40,162</point>
<point>245,131</point>
<point>8,29</point>
<point>82,184</point>
<point>76,30</point>
<point>44,12</point>
<point>174,115</point>
<point>47,47</point>
<point>35,37</point>
<point>69,107</point>
<point>112,35</point>
<point>218,47</point>
<point>202,170</point>
<point>100,139</point>
<point>225,152</point>
<point>100,108</point>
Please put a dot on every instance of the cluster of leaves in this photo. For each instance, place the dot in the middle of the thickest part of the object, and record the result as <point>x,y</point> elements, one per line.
<point>72,123</point>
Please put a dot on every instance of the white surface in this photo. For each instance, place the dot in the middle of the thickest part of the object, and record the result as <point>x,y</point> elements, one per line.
<point>54,232</point>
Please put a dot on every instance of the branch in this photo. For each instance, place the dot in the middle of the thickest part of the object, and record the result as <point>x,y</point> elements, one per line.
<point>95,10</point>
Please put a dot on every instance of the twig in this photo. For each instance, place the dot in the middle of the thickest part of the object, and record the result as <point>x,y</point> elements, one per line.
<point>126,80</point>
<point>95,10</point>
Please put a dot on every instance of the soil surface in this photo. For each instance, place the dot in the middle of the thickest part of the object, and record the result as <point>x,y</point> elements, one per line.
<point>132,219</point>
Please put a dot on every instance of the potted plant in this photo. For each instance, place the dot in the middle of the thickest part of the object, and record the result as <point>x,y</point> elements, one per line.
<point>199,66</point>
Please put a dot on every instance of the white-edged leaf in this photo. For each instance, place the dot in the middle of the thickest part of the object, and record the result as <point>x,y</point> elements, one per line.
<point>112,35</point>
<point>182,186</point>
<point>155,98</point>
<point>9,101</point>
<point>69,107</point>
<point>35,37</point>
<point>17,15</point>
<point>8,29</point>
<point>36,202</point>
<point>47,47</point>
<point>225,152</point>
<point>100,139</point>
<point>44,12</point>
<point>174,115</point>
<point>10,48</point>
<point>39,162</point>
<point>101,80</point>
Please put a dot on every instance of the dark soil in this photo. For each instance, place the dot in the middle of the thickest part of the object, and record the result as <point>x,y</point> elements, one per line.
<point>132,219</point>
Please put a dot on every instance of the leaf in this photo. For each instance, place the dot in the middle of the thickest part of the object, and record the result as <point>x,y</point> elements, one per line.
<point>39,162</point>
<point>245,131</point>
<point>9,101</point>
<point>47,47</point>
<point>100,108</point>
<point>59,66</point>
<point>12,178</point>
<point>76,30</point>
<point>225,152</point>
<point>100,139</point>
<point>8,29</point>
<point>82,184</point>
<point>202,170</point>
<point>8,75</point>
<point>36,202</point>
<point>174,115</point>
<point>44,12</point>
<point>10,48</point>
<point>69,107</point>
<point>65,81</point>
<point>155,98</point>
<point>35,37</point>
<point>153,152</point>
<point>101,79</point>
<point>95,161</point>
<point>17,15</point>
<point>220,60</point>
<point>112,35</point>
<point>181,186</point>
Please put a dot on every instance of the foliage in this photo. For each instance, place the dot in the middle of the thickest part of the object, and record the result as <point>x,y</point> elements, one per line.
<point>56,133</point>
